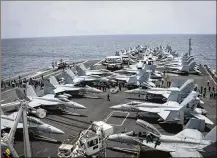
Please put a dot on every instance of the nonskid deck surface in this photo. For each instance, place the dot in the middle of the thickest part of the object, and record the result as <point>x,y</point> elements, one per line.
<point>98,109</point>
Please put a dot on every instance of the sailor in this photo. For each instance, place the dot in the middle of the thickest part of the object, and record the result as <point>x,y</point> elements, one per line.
<point>213,88</point>
<point>149,138</point>
<point>204,89</point>
<point>209,88</point>
<point>195,88</point>
<point>105,88</point>
<point>119,86</point>
<point>162,83</point>
<point>207,82</point>
<point>144,134</point>
<point>157,143</point>
<point>108,97</point>
<point>2,83</point>
<point>204,93</point>
<point>215,94</point>
<point>201,89</point>
<point>211,94</point>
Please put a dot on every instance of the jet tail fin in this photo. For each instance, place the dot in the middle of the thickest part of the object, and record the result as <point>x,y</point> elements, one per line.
<point>131,80</point>
<point>185,68</point>
<point>82,66</point>
<point>211,135</point>
<point>80,70</point>
<point>174,95</point>
<point>192,65</point>
<point>211,148</point>
<point>53,81</point>
<point>68,76</point>
<point>20,95</point>
<point>188,60</point>
<point>187,88</point>
<point>30,92</point>
<point>188,104</point>
<point>195,124</point>
<point>48,87</point>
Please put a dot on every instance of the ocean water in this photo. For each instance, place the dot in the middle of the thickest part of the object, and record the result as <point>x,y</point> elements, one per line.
<point>27,54</point>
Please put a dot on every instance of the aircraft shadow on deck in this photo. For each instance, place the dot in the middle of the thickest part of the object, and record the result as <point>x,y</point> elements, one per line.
<point>19,138</point>
<point>84,96</point>
<point>154,153</point>
<point>171,128</point>
<point>149,100</point>
<point>85,122</point>
<point>149,120</point>
<point>67,123</point>
<point>59,112</point>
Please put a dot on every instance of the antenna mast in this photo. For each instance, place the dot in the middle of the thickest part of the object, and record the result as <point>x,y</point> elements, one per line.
<point>189,49</point>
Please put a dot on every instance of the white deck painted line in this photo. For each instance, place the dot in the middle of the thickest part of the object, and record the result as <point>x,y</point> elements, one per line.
<point>44,76</point>
<point>118,112</point>
<point>109,115</point>
<point>85,61</point>
<point>171,74</point>
<point>210,75</point>
<point>8,90</point>
<point>97,64</point>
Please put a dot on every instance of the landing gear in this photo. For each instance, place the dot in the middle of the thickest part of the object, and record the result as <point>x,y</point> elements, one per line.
<point>138,116</point>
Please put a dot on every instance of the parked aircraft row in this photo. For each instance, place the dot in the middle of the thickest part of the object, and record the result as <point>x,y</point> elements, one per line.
<point>190,142</point>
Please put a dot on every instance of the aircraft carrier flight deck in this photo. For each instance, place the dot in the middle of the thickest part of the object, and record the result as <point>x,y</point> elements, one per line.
<point>98,110</point>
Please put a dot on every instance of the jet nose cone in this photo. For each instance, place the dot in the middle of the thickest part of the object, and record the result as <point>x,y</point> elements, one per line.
<point>50,129</point>
<point>129,91</point>
<point>56,130</point>
<point>98,91</point>
<point>113,137</point>
<point>77,106</point>
<point>94,90</point>
<point>115,107</point>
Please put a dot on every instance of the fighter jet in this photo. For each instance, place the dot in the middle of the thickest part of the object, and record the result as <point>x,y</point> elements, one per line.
<point>169,112</point>
<point>71,78</point>
<point>187,143</point>
<point>174,93</point>
<point>185,66</point>
<point>142,78</point>
<point>142,65</point>
<point>177,60</point>
<point>55,87</point>
<point>48,102</point>
<point>35,125</point>
<point>83,71</point>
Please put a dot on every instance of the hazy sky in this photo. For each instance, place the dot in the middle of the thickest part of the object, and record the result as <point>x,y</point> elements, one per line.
<point>56,18</point>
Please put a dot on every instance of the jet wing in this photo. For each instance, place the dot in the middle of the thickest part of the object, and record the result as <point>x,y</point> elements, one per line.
<point>165,94</point>
<point>122,78</point>
<point>185,153</point>
<point>8,123</point>
<point>175,67</point>
<point>34,103</point>
<point>190,133</point>
<point>63,89</point>
<point>152,110</point>
<point>202,117</point>
<point>39,102</point>
<point>164,114</point>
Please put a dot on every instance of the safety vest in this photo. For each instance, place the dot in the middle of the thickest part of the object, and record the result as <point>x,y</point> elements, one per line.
<point>8,153</point>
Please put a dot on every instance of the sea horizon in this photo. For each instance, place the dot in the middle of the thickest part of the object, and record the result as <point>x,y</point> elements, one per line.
<point>109,35</point>
<point>20,55</point>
